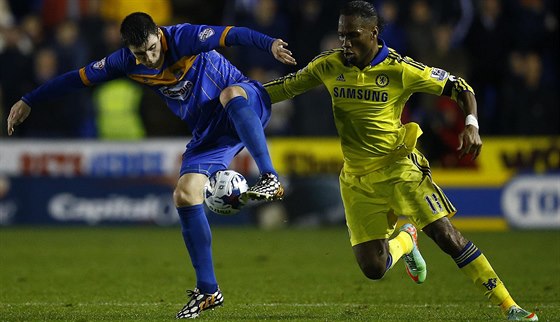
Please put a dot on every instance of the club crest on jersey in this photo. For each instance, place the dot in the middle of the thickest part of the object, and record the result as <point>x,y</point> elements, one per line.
<point>180,91</point>
<point>100,64</point>
<point>439,74</point>
<point>382,80</point>
<point>205,34</point>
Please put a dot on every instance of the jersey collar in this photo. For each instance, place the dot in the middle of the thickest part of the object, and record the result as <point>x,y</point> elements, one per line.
<point>381,54</point>
<point>163,40</point>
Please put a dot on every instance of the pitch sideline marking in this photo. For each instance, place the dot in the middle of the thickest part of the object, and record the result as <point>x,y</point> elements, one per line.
<point>245,305</point>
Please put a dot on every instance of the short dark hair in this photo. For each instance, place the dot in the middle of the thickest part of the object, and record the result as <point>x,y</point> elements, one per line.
<point>136,28</point>
<point>362,9</point>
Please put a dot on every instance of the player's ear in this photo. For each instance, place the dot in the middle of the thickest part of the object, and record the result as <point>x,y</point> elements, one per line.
<point>375,32</point>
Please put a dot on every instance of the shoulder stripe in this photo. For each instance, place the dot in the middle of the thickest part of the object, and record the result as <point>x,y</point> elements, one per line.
<point>394,55</point>
<point>461,84</point>
<point>414,63</point>
<point>279,80</point>
<point>326,53</point>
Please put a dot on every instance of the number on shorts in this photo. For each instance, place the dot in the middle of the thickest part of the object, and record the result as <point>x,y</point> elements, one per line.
<point>433,203</point>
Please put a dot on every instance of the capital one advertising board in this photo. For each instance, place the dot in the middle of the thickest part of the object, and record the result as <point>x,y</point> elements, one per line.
<point>94,182</point>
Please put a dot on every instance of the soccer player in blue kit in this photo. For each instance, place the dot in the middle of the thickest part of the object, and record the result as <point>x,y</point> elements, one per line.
<point>224,109</point>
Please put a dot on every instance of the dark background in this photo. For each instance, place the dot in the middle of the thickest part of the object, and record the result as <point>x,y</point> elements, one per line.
<point>507,50</point>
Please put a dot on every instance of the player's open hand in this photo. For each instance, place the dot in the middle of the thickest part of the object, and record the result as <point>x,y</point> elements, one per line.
<point>281,53</point>
<point>19,112</point>
<point>469,142</point>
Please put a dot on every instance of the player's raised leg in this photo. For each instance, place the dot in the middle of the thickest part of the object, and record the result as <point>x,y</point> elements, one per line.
<point>240,102</point>
<point>474,264</point>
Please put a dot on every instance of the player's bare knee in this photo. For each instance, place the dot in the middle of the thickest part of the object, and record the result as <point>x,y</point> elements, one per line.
<point>230,93</point>
<point>186,197</point>
<point>373,271</point>
<point>188,191</point>
<point>373,267</point>
<point>371,256</point>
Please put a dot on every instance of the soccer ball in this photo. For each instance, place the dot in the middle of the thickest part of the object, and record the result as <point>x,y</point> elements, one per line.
<point>223,192</point>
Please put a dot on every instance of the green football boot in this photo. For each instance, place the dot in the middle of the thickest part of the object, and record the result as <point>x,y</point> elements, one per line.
<point>415,264</point>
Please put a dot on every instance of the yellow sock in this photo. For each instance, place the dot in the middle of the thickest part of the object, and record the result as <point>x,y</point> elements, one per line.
<point>475,265</point>
<point>398,246</point>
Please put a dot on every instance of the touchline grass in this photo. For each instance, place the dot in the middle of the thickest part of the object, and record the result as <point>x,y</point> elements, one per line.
<point>141,273</point>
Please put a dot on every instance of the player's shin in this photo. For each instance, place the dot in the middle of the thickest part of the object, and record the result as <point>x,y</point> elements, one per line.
<point>398,246</point>
<point>251,132</point>
<point>198,239</point>
<point>474,264</point>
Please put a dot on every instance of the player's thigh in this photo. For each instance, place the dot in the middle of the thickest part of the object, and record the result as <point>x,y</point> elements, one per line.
<point>368,215</point>
<point>209,154</point>
<point>416,195</point>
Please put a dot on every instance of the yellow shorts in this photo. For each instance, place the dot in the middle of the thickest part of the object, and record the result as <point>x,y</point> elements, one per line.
<point>374,201</point>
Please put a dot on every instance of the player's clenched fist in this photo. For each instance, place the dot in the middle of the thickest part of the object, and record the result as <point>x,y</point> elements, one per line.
<point>19,112</point>
<point>469,142</point>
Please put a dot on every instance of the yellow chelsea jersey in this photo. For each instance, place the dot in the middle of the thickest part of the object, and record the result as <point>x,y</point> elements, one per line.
<point>367,103</point>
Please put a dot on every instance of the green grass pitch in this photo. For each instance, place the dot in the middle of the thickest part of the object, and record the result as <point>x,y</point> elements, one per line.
<point>141,273</point>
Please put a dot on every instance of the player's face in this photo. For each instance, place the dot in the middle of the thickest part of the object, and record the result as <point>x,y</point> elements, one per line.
<point>359,41</point>
<point>149,54</point>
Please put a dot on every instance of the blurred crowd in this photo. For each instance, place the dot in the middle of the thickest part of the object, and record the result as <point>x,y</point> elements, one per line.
<point>506,49</point>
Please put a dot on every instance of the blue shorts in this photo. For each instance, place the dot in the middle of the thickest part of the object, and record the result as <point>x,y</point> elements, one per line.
<point>213,148</point>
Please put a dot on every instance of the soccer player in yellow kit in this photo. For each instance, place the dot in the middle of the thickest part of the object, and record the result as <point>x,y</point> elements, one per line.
<point>384,175</point>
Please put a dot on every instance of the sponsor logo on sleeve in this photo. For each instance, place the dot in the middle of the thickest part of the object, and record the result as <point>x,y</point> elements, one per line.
<point>439,74</point>
<point>100,64</point>
<point>205,34</point>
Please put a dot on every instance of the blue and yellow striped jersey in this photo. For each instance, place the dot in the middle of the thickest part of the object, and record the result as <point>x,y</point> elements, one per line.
<point>192,75</point>
<point>368,103</point>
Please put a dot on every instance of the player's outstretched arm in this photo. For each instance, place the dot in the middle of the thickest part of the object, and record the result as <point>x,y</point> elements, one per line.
<point>281,53</point>
<point>243,36</point>
<point>53,88</point>
<point>19,112</point>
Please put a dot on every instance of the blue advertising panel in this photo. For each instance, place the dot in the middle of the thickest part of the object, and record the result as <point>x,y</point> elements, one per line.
<point>93,201</point>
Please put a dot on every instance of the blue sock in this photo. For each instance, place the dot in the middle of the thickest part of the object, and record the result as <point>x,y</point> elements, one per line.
<point>389,262</point>
<point>198,239</point>
<point>250,131</point>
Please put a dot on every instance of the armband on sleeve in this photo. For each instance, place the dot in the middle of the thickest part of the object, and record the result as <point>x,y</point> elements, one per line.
<point>454,86</point>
